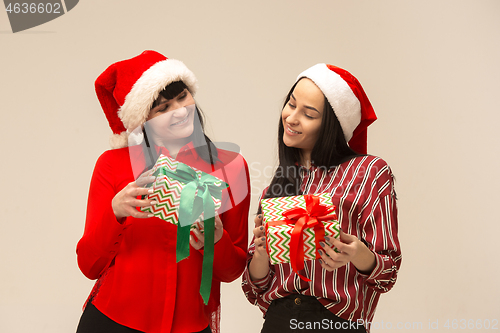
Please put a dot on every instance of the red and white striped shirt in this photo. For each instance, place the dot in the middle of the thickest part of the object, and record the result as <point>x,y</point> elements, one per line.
<point>362,189</point>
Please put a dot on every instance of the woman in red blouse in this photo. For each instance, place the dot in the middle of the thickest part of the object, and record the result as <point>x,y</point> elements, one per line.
<point>322,149</point>
<point>148,101</point>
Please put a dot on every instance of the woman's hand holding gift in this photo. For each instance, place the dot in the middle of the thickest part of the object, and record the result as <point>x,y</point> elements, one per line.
<point>349,249</point>
<point>125,202</point>
<point>259,266</point>
<point>199,242</point>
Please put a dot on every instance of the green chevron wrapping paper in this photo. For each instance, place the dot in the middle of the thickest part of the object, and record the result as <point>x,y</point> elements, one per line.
<point>279,233</point>
<point>167,192</point>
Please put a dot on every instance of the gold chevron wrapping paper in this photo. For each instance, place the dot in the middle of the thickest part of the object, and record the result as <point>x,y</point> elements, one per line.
<point>167,192</point>
<point>278,235</point>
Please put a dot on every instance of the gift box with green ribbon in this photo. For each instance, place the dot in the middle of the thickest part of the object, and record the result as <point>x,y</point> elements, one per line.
<point>295,225</point>
<point>187,197</point>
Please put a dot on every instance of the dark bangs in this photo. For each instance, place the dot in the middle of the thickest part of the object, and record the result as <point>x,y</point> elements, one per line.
<point>170,91</point>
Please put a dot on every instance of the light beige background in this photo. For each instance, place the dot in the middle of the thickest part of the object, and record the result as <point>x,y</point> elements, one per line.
<point>430,67</point>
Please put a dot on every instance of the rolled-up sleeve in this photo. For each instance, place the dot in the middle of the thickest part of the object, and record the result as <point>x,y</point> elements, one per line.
<point>380,231</point>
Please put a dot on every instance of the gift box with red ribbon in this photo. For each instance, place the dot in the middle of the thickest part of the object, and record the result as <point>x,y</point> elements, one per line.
<point>295,225</point>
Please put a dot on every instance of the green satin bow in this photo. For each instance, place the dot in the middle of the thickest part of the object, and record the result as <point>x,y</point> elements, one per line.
<point>196,198</point>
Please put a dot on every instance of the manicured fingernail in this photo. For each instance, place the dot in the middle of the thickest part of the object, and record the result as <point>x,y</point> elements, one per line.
<point>321,261</point>
<point>327,238</point>
<point>320,252</point>
<point>261,228</point>
<point>153,202</point>
<point>263,239</point>
<point>260,216</point>
<point>150,191</point>
<point>151,215</point>
<point>322,244</point>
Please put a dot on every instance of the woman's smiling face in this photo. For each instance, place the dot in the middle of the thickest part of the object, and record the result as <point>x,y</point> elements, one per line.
<point>172,119</point>
<point>302,116</point>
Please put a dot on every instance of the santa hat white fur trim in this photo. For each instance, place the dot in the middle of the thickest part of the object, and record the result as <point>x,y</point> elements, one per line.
<point>146,89</point>
<point>343,101</point>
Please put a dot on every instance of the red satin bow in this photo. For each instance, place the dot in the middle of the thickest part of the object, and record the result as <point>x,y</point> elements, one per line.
<point>310,217</point>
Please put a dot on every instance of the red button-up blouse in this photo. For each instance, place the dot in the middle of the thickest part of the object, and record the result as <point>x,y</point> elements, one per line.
<point>139,284</point>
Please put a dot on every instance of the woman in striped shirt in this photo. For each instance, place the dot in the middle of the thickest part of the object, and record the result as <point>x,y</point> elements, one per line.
<point>322,149</point>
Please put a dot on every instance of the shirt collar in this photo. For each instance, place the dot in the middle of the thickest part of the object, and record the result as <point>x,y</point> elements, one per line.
<point>185,150</point>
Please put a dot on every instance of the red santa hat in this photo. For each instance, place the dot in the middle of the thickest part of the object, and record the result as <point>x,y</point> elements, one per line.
<point>128,88</point>
<point>348,100</point>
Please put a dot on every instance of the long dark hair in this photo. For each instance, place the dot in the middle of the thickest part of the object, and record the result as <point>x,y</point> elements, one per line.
<point>202,144</point>
<point>331,149</point>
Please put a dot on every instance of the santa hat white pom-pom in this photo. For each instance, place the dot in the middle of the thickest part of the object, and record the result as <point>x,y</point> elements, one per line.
<point>118,140</point>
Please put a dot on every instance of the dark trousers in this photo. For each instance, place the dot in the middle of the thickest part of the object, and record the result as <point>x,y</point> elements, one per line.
<point>94,321</point>
<point>299,313</point>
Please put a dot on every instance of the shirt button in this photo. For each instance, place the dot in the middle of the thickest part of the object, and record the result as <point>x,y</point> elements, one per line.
<point>297,301</point>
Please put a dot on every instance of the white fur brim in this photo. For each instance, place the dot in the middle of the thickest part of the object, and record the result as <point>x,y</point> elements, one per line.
<point>343,101</point>
<point>146,89</point>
